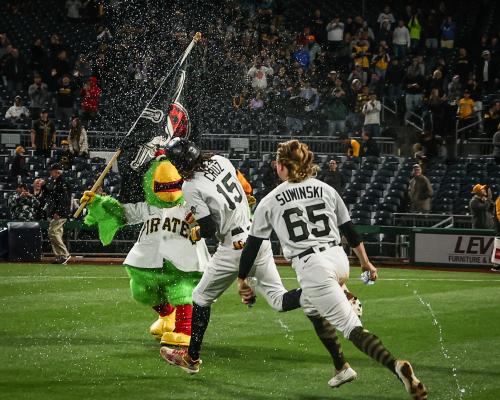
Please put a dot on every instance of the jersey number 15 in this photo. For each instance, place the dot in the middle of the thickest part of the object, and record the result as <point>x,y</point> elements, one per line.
<point>230,188</point>
<point>298,230</point>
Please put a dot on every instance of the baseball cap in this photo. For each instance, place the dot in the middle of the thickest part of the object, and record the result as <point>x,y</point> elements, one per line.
<point>485,53</point>
<point>44,111</point>
<point>64,142</point>
<point>55,166</point>
<point>417,166</point>
<point>20,149</point>
<point>17,97</point>
<point>311,38</point>
<point>478,188</point>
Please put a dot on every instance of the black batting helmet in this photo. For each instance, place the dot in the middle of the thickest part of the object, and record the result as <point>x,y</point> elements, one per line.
<point>183,154</point>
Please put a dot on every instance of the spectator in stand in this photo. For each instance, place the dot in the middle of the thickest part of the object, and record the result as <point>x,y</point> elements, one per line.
<point>65,156</point>
<point>258,73</point>
<point>58,203</point>
<point>432,32</point>
<point>310,94</point>
<point>488,71</point>
<point>18,168</point>
<point>415,31</point>
<point>39,96</point>
<point>73,7</point>
<point>17,112</point>
<point>362,96</point>
<point>65,98</point>
<point>454,90</point>
<point>22,204</point>
<point>465,111</point>
<point>401,40</point>
<point>384,35</point>
<point>241,99</point>
<point>414,87</point>
<point>369,147</point>
<point>82,70</point>
<point>77,138</point>
<point>436,82</point>
<point>318,27</point>
<point>380,61</point>
<point>335,33</point>
<point>352,146</point>
<point>295,110</point>
<point>14,70</point>
<point>313,49</point>
<point>90,93</point>
<point>256,103</point>
<point>55,46</point>
<point>4,44</point>
<point>420,191</point>
<point>361,56</point>
<point>436,104</point>
<point>61,66</point>
<point>336,112</point>
<point>481,207</point>
<point>463,67</point>
<point>371,110</point>
<point>301,55</point>
<point>448,33</point>
<point>38,59</point>
<point>386,16</point>
<point>496,145</point>
<point>394,80</point>
<point>43,135</point>
<point>39,194</point>
<point>333,177</point>
<point>270,178</point>
<point>492,119</point>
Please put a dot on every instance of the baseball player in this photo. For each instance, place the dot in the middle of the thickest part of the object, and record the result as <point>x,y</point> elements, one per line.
<point>308,217</point>
<point>216,199</point>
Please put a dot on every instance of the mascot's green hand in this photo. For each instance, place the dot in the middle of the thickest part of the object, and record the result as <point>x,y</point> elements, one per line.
<point>108,214</point>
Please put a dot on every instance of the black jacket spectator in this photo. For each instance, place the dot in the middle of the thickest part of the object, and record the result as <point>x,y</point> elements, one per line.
<point>270,178</point>
<point>369,147</point>
<point>19,165</point>
<point>335,179</point>
<point>58,197</point>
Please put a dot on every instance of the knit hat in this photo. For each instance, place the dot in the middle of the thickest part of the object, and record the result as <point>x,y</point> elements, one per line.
<point>20,149</point>
<point>478,188</point>
<point>64,142</point>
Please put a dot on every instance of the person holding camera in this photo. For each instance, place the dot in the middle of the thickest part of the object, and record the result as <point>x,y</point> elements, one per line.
<point>22,204</point>
<point>481,206</point>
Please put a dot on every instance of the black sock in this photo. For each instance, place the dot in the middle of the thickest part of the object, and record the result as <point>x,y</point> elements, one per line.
<point>291,300</point>
<point>199,324</point>
<point>328,336</point>
<point>371,345</point>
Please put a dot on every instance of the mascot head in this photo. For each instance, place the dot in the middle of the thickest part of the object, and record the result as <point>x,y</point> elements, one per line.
<point>162,183</point>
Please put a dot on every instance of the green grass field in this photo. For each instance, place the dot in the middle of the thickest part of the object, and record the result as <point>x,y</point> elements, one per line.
<point>73,332</point>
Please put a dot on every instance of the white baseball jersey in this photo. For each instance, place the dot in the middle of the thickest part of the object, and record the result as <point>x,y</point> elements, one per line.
<point>303,215</point>
<point>218,192</point>
<point>164,235</point>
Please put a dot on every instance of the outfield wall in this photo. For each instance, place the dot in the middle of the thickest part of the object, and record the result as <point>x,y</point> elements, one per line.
<point>440,247</point>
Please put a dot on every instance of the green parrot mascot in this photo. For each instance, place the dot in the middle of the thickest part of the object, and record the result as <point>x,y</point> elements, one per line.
<point>167,261</point>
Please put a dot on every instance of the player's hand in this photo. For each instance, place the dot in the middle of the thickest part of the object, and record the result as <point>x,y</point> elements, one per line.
<point>195,235</point>
<point>189,218</point>
<point>245,291</point>
<point>88,197</point>
<point>251,200</point>
<point>370,268</point>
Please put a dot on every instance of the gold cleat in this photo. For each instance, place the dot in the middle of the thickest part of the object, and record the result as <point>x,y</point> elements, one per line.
<point>175,339</point>
<point>162,325</point>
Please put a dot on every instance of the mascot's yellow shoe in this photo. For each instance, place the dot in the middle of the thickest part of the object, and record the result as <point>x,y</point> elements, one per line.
<point>175,339</point>
<point>162,325</point>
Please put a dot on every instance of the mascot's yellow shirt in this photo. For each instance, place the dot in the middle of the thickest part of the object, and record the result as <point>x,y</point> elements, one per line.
<point>164,235</point>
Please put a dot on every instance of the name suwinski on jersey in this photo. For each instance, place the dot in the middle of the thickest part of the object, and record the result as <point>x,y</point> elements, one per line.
<point>305,192</point>
<point>213,170</point>
<point>174,225</point>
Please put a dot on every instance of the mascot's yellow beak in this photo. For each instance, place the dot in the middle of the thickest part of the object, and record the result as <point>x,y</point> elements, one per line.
<point>167,182</point>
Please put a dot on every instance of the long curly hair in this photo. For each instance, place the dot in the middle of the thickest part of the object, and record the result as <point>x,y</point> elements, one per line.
<point>298,159</point>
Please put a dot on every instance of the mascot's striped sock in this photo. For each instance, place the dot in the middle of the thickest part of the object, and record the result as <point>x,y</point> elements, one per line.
<point>183,316</point>
<point>371,345</point>
<point>328,336</point>
<point>199,323</point>
<point>164,309</point>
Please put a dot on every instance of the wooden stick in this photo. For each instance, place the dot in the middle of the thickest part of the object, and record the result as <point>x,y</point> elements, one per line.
<point>99,180</point>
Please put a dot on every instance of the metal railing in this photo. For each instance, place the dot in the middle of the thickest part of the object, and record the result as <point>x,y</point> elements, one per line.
<point>260,144</point>
<point>429,220</point>
<point>419,128</point>
<point>386,107</point>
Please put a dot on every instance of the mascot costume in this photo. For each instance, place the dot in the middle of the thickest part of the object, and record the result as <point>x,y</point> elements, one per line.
<point>165,264</point>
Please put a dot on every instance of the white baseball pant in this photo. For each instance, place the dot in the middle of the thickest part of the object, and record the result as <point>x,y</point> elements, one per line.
<point>222,271</point>
<point>320,276</point>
